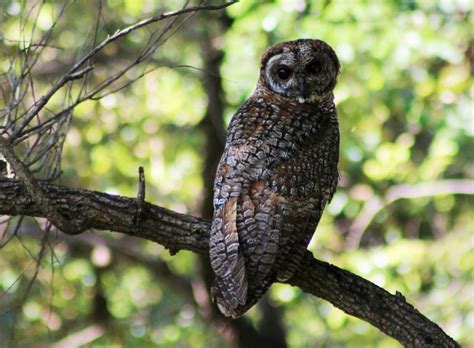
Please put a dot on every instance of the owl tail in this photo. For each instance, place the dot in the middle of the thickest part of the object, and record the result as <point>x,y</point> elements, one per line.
<point>230,293</point>
<point>229,307</point>
<point>230,287</point>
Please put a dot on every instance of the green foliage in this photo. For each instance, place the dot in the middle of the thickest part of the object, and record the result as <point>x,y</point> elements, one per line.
<point>404,100</point>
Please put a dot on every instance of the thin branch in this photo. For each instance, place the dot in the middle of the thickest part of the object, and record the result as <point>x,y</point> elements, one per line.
<point>79,74</point>
<point>374,205</point>
<point>349,292</point>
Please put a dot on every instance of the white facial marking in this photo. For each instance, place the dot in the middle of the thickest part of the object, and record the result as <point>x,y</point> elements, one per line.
<point>286,58</point>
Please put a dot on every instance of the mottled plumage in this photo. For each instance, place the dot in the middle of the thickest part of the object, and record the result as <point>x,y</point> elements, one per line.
<point>278,171</point>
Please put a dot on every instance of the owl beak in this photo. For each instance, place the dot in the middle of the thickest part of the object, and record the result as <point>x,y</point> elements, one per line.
<point>302,87</point>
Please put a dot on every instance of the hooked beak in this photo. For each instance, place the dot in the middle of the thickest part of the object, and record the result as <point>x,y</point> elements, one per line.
<point>302,86</point>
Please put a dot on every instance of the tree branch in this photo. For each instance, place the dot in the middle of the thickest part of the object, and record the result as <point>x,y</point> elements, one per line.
<point>347,291</point>
<point>358,297</point>
<point>404,191</point>
<point>74,73</point>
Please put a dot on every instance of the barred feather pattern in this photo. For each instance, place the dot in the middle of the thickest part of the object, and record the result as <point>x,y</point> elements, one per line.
<point>277,173</point>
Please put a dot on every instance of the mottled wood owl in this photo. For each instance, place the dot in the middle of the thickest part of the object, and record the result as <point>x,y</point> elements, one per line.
<point>277,173</point>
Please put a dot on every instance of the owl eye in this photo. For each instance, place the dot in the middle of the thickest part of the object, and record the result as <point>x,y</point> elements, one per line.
<point>315,66</point>
<point>283,72</point>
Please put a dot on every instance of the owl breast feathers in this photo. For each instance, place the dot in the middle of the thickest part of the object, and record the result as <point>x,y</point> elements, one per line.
<point>278,171</point>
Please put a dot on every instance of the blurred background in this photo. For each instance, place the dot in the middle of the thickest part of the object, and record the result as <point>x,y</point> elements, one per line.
<point>401,218</point>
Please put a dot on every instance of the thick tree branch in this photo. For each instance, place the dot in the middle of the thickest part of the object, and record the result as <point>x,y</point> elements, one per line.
<point>349,292</point>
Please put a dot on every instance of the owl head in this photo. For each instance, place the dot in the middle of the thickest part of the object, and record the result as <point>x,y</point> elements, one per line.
<point>304,70</point>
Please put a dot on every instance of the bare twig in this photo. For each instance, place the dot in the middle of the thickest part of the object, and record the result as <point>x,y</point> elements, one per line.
<point>79,74</point>
<point>141,186</point>
<point>140,200</point>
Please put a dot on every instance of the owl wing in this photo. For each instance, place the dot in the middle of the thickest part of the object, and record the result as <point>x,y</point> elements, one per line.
<point>259,223</point>
<point>243,246</point>
<point>300,224</point>
<point>297,232</point>
<point>274,231</point>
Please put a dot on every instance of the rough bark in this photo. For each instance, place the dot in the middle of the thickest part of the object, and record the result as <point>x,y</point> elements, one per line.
<point>347,291</point>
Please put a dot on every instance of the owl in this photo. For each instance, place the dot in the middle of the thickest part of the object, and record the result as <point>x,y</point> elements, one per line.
<point>277,173</point>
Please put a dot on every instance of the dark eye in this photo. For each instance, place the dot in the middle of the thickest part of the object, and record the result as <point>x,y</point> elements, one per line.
<point>315,67</point>
<point>283,72</point>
